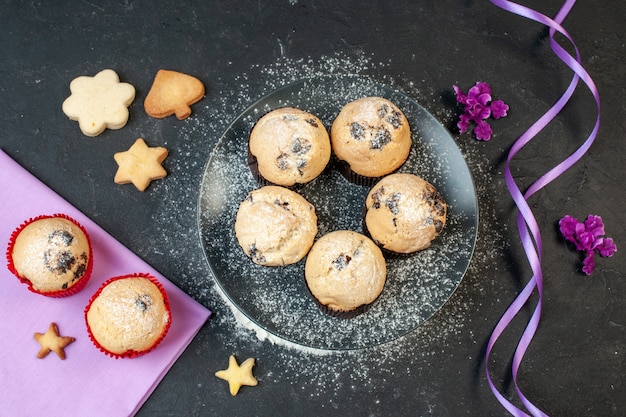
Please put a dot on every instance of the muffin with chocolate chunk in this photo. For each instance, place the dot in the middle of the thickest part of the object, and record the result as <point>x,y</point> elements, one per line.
<point>371,138</point>
<point>288,146</point>
<point>275,226</point>
<point>345,272</point>
<point>128,316</point>
<point>51,254</point>
<point>404,213</point>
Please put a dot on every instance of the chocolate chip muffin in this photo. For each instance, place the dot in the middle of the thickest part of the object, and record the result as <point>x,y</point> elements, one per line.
<point>404,213</point>
<point>51,254</point>
<point>275,226</point>
<point>288,146</point>
<point>345,272</point>
<point>371,138</point>
<point>128,316</point>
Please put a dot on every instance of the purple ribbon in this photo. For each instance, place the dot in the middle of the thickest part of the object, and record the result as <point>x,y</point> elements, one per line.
<point>526,223</point>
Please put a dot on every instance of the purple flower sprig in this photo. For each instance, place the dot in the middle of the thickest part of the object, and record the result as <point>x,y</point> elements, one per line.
<point>587,236</point>
<point>477,108</point>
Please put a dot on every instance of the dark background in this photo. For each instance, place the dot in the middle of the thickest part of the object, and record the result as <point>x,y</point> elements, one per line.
<point>243,50</point>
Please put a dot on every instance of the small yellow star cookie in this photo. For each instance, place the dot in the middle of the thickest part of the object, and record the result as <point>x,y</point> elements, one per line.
<point>52,342</point>
<point>238,375</point>
<point>99,102</point>
<point>140,164</point>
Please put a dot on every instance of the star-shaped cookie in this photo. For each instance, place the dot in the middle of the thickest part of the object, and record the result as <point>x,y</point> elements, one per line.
<point>238,375</point>
<point>140,164</point>
<point>51,341</point>
<point>99,102</point>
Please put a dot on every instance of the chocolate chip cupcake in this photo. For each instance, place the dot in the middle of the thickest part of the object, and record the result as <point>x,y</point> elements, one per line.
<point>128,316</point>
<point>51,254</point>
<point>404,213</point>
<point>345,272</point>
<point>371,138</point>
<point>275,226</point>
<point>288,146</point>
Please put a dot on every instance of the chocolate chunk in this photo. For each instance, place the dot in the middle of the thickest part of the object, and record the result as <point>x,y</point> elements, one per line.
<point>392,203</point>
<point>382,111</point>
<point>300,146</point>
<point>81,267</point>
<point>439,207</point>
<point>143,302</point>
<point>282,161</point>
<point>382,137</point>
<point>60,236</point>
<point>357,131</point>
<point>58,261</point>
<point>395,119</point>
<point>283,204</point>
<point>376,197</point>
<point>301,164</point>
<point>255,254</point>
<point>341,262</point>
<point>312,122</point>
<point>438,226</point>
<point>435,200</point>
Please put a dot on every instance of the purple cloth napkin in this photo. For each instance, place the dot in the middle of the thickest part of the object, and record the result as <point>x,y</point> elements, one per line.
<point>87,382</point>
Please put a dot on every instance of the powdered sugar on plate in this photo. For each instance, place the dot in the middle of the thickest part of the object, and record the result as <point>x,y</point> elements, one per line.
<point>276,299</point>
<point>319,373</point>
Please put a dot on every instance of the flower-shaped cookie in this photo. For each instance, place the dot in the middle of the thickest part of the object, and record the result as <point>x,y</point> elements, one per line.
<point>99,102</point>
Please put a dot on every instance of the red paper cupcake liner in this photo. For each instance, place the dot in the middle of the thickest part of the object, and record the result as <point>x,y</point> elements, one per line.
<point>82,282</point>
<point>129,354</point>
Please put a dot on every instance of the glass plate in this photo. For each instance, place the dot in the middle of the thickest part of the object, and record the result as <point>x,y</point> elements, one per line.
<point>276,298</point>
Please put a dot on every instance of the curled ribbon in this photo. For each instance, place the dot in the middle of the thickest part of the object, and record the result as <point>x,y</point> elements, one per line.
<point>526,223</point>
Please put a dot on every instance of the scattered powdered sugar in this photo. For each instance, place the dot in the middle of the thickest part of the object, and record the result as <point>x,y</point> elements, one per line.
<point>277,298</point>
<point>377,337</point>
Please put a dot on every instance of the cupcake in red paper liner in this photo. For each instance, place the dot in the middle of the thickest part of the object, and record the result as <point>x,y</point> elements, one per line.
<point>128,316</point>
<point>345,273</point>
<point>371,138</point>
<point>404,214</point>
<point>51,254</point>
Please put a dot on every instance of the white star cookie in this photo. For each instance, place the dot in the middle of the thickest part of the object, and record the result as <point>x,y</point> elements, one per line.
<point>99,102</point>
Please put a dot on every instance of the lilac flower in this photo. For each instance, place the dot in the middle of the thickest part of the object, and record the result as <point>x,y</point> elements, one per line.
<point>460,95</point>
<point>588,263</point>
<point>477,108</point>
<point>587,236</point>
<point>606,247</point>
<point>482,130</point>
<point>498,109</point>
<point>464,120</point>
<point>568,227</point>
<point>585,240</point>
<point>594,225</point>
